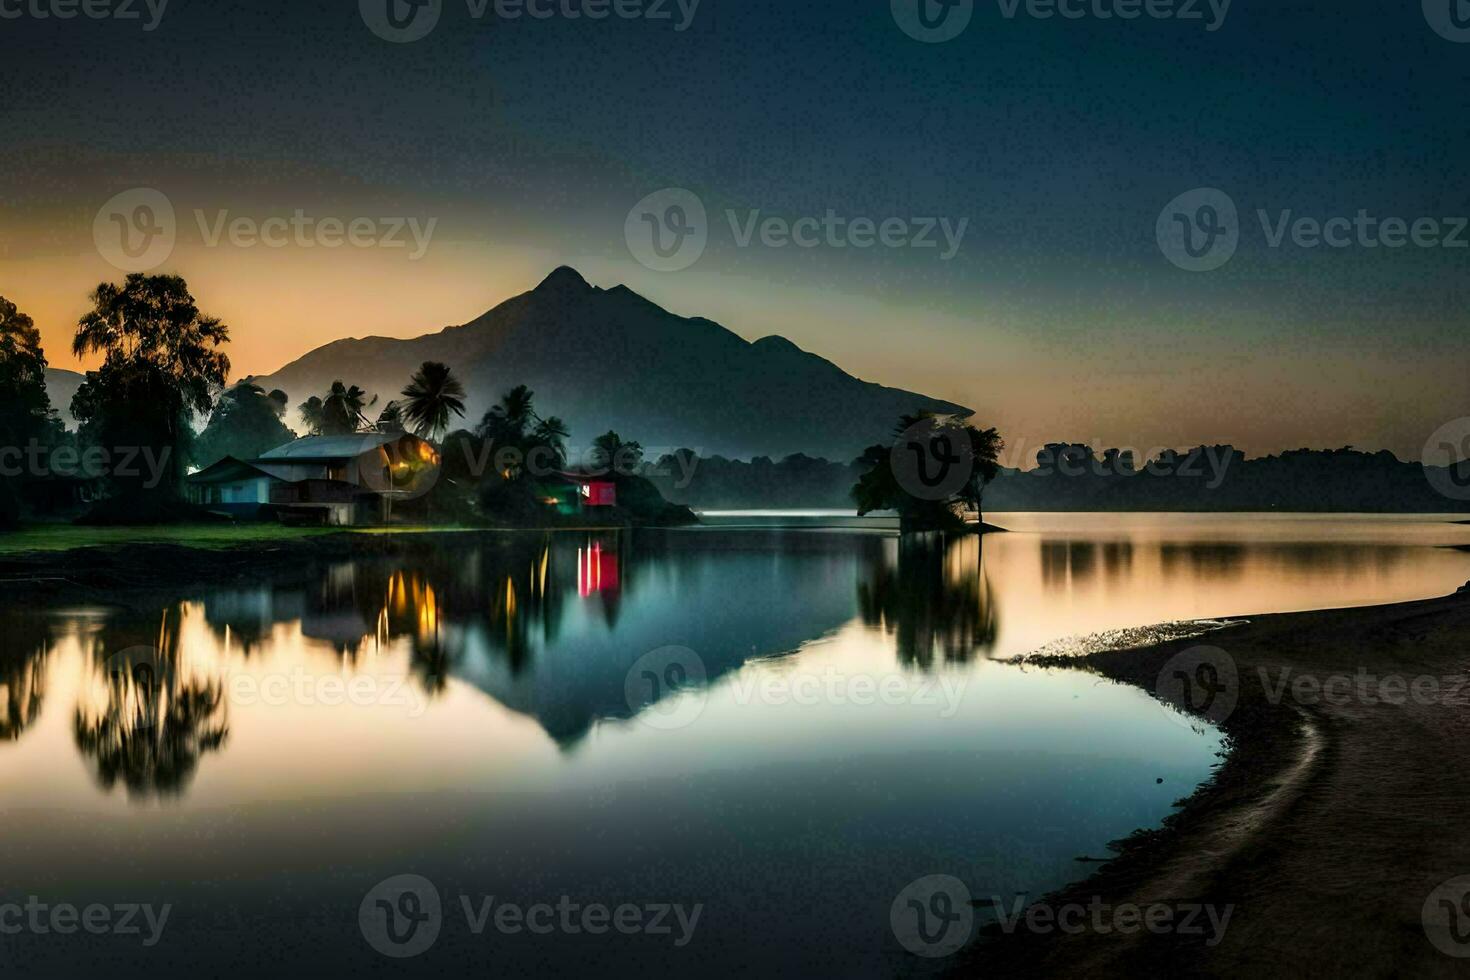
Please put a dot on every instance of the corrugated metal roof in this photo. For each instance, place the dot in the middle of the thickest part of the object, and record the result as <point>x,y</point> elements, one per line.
<point>332,447</point>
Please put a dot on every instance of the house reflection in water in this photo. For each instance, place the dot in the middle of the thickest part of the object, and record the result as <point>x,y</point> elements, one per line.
<point>597,570</point>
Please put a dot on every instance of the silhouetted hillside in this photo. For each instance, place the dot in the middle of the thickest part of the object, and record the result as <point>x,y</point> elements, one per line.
<point>609,359</point>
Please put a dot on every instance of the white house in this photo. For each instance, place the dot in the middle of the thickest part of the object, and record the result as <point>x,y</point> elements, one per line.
<point>337,480</point>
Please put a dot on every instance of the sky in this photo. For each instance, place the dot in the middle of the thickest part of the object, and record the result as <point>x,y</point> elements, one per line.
<point>1020,166</point>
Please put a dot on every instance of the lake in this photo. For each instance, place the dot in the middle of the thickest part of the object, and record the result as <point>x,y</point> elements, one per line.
<point>723,749</point>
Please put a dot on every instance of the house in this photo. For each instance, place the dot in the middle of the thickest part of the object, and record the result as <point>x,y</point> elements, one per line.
<point>336,480</point>
<point>572,493</point>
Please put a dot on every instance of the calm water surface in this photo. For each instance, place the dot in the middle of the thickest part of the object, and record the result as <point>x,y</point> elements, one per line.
<point>784,726</point>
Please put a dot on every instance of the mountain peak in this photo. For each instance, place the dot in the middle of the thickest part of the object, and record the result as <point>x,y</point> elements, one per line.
<point>563,279</point>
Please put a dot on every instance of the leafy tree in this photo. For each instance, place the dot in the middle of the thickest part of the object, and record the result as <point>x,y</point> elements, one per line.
<point>246,423</point>
<point>161,365</point>
<point>25,409</point>
<point>879,488</point>
<point>432,395</point>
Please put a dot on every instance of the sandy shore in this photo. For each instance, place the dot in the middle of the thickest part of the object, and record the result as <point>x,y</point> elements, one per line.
<point>1339,810</point>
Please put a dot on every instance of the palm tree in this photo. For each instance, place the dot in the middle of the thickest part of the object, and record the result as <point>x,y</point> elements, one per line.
<point>552,434</point>
<point>342,409</point>
<point>390,419</point>
<point>612,453</point>
<point>507,421</point>
<point>433,393</point>
<point>313,414</point>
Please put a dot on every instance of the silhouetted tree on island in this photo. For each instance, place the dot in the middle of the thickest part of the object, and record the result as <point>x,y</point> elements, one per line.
<point>432,395</point>
<point>928,438</point>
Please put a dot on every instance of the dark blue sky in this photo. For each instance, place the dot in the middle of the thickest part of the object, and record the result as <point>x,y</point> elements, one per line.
<point>1058,140</point>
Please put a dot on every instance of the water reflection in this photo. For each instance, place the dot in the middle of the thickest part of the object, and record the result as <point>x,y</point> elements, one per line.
<point>548,625</point>
<point>933,596</point>
<point>149,711</point>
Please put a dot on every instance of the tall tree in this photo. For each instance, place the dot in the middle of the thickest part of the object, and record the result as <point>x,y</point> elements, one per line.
<point>432,395</point>
<point>162,363</point>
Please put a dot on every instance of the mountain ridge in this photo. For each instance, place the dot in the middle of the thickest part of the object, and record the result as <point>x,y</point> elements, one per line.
<point>611,358</point>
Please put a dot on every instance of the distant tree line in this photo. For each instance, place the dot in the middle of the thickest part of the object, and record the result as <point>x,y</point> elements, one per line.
<point>1078,477</point>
